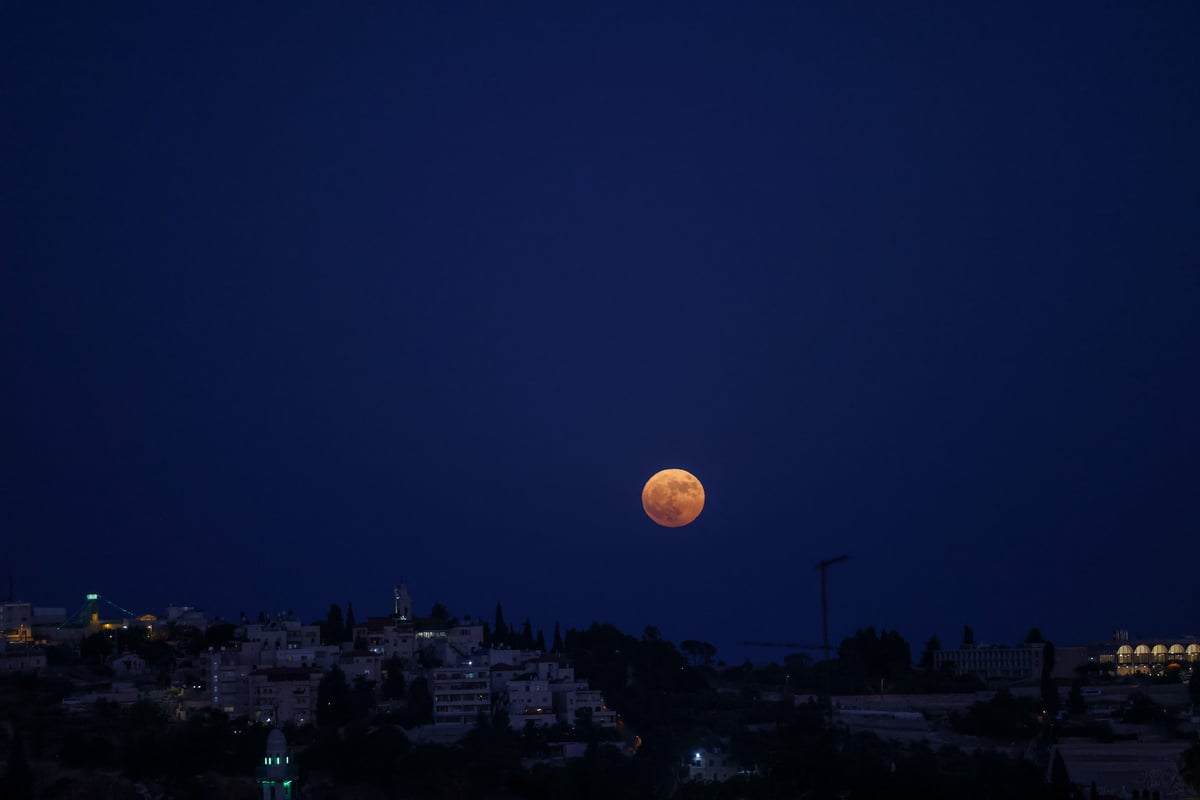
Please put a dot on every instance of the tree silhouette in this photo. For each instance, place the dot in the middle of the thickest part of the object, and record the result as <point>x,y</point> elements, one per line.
<point>332,695</point>
<point>1075,702</point>
<point>1190,766</point>
<point>17,780</point>
<point>334,629</point>
<point>420,704</point>
<point>932,646</point>
<point>499,627</point>
<point>1048,686</point>
<point>527,635</point>
<point>393,684</point>
<point>699,653</point>
<point>869,658</point>
<point>1060,782</point>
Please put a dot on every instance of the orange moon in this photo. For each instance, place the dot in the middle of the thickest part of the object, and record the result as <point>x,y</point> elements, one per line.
<point>673,498</point>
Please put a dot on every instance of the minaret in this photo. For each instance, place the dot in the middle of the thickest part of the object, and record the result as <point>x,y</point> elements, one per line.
<point>401,603</point>
<point>277,775</point>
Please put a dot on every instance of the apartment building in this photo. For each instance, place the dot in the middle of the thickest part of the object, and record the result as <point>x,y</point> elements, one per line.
<point>280,695</point>
<point>460,694</point>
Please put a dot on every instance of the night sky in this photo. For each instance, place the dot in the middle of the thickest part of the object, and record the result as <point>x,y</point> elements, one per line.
<point>297,303</point>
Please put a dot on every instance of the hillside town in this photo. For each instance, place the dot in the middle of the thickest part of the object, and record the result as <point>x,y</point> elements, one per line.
<point>1109,719</point>
<point>269,670</point>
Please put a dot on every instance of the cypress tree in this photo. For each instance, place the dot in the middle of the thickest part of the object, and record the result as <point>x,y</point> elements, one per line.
<point>349,634</point>
<point>500,628</point>
<point>527,635</point>
<point>334,630</point>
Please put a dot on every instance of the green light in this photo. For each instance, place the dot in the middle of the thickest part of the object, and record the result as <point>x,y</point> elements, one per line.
<point>93,597</point>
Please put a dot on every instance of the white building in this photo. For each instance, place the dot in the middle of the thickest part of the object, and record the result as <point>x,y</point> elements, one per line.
<point>128,665</point>
<point>283,634</point>
<point>501,675</point>
<point>388,637</point>
<point>188,616</point>
<point>361,664</point>
<point>993,662</point>
<point>227,682</point>
<point>528,700</point>
<point>16,621</point>
<point>284,694</point>
<point>711,765</point>
<point>571,704</point>
<point>16,658</point>
<point>460,694</point>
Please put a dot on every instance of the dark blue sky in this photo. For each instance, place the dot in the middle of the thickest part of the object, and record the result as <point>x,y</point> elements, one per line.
<point>296,303</point>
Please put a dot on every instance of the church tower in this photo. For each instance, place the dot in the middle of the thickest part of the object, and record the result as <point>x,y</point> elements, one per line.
<point>401,603</point>
<point>277,775</point>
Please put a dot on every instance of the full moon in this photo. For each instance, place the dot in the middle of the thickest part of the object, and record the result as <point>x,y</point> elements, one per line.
<point>673,498</point>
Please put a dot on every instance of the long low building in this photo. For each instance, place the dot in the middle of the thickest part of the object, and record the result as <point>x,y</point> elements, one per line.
<point>991,662</point>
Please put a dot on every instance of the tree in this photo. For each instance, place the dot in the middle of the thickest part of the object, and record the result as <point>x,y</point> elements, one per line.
<point>527,635</point>
<point>96,649</point>
<point>541,640</point>
<point>931,646</point>
<point>332,694</point>
<point>558,640</point>
<point>1194,687</point>
<point>1002,717</point>
<point>968,635</point>
<point>1075,702</point>
<point>1060,781</point>
<point>440,614</point>
<point>1048,686</point>
<point>869,658</point>
<point>393,682</point>
<point>219,635</point>
<point>350,623</point>
<point>420,704</point>
<point>1190,766</point>
<point>1034,636</point>
<point>17,780</point>
<point>334,629</point>
<point>500,627</point>
<point>360,699</point>
<point>699,653</point>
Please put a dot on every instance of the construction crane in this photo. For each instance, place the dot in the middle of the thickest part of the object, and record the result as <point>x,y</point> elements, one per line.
<point>824,565</point>
<point>824,646</point>
<point>791,645</point>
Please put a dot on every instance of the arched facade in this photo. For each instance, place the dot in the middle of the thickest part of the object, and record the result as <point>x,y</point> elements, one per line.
<point>1150,656</point>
